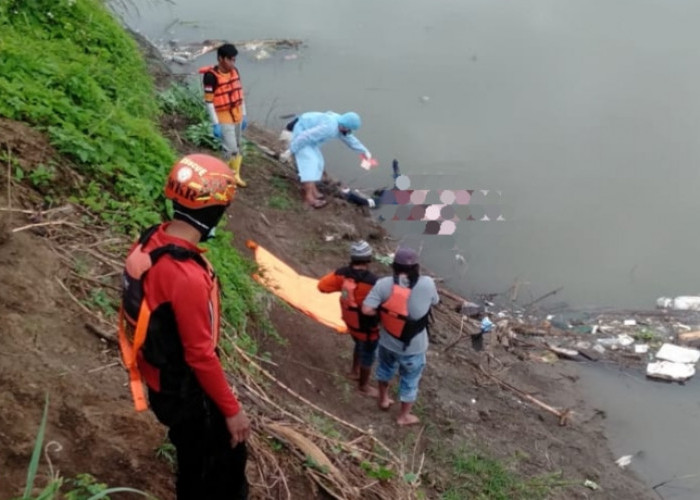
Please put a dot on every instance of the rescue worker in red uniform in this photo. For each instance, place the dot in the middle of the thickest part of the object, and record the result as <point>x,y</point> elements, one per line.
<point>354,282</point>
<point>223,98</point>
<point>169,330</point>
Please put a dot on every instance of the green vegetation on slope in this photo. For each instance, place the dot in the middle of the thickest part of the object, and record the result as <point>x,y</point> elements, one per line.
<point>69,69</point>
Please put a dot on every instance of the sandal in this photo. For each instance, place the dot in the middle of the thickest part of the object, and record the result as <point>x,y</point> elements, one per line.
<point>318,204</point>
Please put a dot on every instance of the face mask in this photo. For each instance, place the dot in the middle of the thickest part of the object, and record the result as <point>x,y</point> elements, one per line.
<point>209,235</point>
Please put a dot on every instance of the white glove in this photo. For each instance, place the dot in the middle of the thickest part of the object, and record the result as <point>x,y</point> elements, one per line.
<point>286,157</point>
<point>286,136</point>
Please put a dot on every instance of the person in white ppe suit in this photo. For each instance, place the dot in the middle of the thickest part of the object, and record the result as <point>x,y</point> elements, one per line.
<point>309,132</point>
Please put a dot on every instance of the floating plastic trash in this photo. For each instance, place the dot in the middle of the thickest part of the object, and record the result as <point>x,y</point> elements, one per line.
<point>678,354</point>
<point>667,370</point>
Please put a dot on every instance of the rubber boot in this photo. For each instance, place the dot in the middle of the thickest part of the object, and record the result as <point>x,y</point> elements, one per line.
<point>235,164</point>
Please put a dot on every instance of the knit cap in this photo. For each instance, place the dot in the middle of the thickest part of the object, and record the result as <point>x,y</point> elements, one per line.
<point>360,251</point>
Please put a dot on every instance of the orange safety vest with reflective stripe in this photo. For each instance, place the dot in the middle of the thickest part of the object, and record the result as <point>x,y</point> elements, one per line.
<point>228,94</point>
<point>135,314</point>
<point>352,315</point>
<point>393,315</point>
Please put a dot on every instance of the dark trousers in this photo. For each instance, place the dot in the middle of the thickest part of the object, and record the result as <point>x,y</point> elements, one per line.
<point>207,466</point>
<point>478,342</point>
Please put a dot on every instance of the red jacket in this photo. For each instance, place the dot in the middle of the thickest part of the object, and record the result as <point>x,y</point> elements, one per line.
<point>186,288</point>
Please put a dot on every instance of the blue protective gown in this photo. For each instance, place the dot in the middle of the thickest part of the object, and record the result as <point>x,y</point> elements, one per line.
<point>313,129</point>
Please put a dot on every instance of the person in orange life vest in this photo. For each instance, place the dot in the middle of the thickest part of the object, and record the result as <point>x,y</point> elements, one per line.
<point>354,282</point>
<point>223,97</point>
<point>403,302</point>
<point>169,331</point>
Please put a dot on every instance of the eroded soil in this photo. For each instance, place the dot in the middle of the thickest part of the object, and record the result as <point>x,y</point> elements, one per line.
<point>45,347</point>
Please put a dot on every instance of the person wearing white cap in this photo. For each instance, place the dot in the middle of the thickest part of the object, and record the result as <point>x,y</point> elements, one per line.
<point>354,282</point>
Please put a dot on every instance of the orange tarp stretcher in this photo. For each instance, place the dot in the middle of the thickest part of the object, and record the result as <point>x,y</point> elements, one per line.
<point>297,290</point>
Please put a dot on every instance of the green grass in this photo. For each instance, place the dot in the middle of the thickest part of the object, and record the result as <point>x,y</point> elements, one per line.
<point>70,70</point>
<point>280,197</point>
<point>477,476</point>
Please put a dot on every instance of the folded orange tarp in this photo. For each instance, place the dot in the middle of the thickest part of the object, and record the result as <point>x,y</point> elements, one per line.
<point>297,290</point>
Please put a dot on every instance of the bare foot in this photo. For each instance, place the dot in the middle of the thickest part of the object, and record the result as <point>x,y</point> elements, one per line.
<point>409,419</point>
<point>385,404</point>
<point>315,203</point>
<point>370,391</point>
<point>353,375</point>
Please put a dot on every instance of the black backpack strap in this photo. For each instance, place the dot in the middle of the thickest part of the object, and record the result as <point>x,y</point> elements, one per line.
<point>177,253</point>
<point>429,322</point>
<point>147,233</point>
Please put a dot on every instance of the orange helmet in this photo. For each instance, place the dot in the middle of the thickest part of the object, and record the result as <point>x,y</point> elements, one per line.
<point>199,181</point>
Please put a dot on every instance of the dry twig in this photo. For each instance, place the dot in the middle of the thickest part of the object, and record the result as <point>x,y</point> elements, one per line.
<point>315,407</point>
<point>41,224</point>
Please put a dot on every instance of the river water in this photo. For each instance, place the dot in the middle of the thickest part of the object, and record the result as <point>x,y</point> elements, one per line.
<point>655,422</point>
<point>582,114</point>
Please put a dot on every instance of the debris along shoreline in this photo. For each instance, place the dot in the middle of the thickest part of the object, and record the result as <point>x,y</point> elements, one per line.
<point>661,340</point>
<point>541,332</point>
<point>185,53</point>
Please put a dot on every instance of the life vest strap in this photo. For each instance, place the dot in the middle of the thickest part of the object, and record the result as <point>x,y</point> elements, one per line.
<point>129,352</point>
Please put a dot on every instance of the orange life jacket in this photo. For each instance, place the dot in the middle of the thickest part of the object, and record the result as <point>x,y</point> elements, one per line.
<point>228,94</point>
<point>393,314</point>
<point>360,326</point>
<point>135,314</point>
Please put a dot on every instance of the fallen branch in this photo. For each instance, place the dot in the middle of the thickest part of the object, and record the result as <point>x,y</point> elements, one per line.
<point>36,212</point>
<point>104,367</point>
<point>563,415</point>
<point>541,298</point>
<point>459,337</point>
<point>562,352</point>
<point>451,295</point>
<point>688,336</point>
<point>96,281</point>
<point>532,331</point>
<point>89,326</point>
<point>674,478</point>
<point>265,219</point>
<point>309,449</point>
<point>315,407</point>
<point>111,339</point>
<point>40,224</point>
